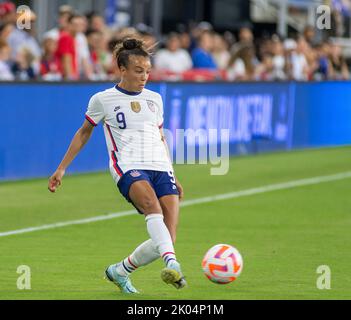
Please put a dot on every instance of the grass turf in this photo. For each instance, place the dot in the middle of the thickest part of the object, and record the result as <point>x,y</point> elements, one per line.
<point>283,235</point>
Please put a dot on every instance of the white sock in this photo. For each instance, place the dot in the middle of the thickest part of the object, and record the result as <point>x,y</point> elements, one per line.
<point>141,256</point>
<point>160,237</point>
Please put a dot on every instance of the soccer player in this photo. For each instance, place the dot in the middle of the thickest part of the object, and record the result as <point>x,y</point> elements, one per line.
<point>139,162</point>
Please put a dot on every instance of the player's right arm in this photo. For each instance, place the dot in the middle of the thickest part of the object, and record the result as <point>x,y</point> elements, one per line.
<point>79,140</point>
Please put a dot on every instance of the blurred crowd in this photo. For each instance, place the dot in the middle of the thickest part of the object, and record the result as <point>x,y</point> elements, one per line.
<point>81,48</point>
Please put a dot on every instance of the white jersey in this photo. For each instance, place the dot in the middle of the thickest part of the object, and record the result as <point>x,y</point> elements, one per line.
<point>132,123</point>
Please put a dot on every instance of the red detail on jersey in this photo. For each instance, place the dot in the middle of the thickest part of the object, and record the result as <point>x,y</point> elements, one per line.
<point>161,126</point>
<point>113,153</point>
<point>92,122</point>
<point>111,136</point>
<point>115,165</point>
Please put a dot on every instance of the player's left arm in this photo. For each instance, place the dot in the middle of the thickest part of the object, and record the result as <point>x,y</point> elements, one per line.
<point>179,186</point>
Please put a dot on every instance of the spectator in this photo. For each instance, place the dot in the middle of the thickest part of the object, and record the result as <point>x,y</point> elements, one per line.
<point>185,41</point>
<point>88,55</point>
<point>173,57</point>
<point>147,35</point>
<point>5,70</point>
<point>65,11</point>
<point>7,12</point>
<point>242,64</point>
<point>84,67</point>
<point>298,67</point>
<point>67,50</point>
<point>98,54</point>
<point>201,56</point>
<point>196,31</point>
<point>83,55</point>
<point>265,71</point>
<point>339,69</point>
<point>23,69</point>
<point>309,35</point>
<point>5,30</point>
<point>321,68</point>
<point>49,65</point>
<point>246,38</point>
<point>279,63</point>
<point>220,52</point>
<point>97,22</point>
<point>19,39</point>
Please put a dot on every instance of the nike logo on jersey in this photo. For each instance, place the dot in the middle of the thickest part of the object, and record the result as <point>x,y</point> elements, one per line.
<point>117,108</point>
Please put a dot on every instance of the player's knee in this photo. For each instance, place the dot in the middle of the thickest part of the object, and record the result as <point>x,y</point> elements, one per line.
<point>151,205</point>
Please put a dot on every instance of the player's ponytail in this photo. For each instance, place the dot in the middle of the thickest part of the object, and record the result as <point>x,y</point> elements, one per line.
<point>127,47</point>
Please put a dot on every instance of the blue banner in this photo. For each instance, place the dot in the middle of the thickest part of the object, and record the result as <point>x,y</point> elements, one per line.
<point>257,117</point>
<point>39,120</point>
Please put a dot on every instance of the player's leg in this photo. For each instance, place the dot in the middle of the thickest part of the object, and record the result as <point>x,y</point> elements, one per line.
<point>145,199</point>
<point>168,195</point>
<point>170,209</point>
<point>143,196</point>
<point>146,252</point>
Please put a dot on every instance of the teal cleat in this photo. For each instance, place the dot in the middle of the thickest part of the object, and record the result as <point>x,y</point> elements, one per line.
<point>173,275</point>
<point>122,282</point>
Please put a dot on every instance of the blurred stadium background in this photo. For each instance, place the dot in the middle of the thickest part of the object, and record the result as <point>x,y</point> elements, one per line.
<point>263,69</point>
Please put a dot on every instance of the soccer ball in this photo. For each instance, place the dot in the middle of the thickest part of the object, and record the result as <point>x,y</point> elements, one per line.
<point>222,264</point>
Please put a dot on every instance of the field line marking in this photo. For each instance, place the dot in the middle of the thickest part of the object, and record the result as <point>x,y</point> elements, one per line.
<point>186,203</point>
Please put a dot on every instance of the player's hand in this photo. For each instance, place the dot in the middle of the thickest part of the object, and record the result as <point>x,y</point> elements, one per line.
<point>56,180</point>
<point>180,190</point>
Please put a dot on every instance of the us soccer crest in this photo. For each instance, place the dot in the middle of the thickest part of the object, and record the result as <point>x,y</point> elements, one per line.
<point>135,174</point>
<point>136,107</point>
<point>151,105</point>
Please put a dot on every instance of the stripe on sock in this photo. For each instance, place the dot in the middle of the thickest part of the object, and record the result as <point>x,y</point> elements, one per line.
<point>167,253</point>
<point>168,256</point>
<point>169,260</point>
<point>131,263</point>
<point>126,268</point>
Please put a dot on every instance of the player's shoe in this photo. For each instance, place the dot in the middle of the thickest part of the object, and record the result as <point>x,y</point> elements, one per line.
<point>173,275</point>
<point>122,282</point>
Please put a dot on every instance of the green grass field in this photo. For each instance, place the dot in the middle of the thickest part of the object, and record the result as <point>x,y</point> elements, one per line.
<point>283,235</point>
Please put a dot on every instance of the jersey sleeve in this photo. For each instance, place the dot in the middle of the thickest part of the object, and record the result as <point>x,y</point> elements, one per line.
<point>95,111</point>
<point>160,112</point>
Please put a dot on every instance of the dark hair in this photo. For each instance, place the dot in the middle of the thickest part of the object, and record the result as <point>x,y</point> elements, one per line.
<point>172,35</point>
<point>92,31</point>
<point>129,47</point>
<point>72,16</point>
<point>3,25</point>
